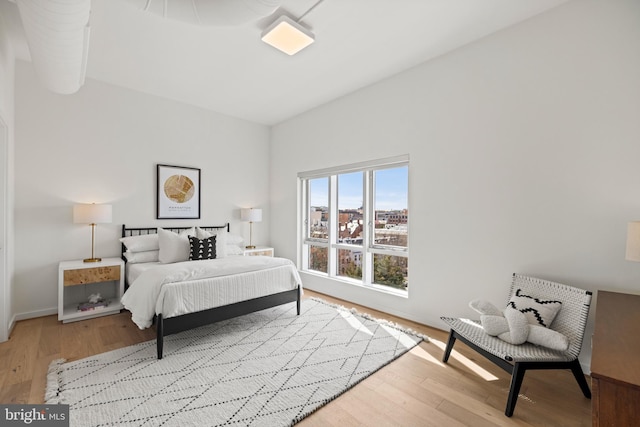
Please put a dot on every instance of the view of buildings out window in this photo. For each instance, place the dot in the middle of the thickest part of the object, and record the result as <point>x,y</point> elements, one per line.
<point>390,231</point>
<point>317,231</point>
<point>350,224</point>
<point>356,224</point>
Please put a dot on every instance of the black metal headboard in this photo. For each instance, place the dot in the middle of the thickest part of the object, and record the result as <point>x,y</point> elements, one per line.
<point>139,231</point>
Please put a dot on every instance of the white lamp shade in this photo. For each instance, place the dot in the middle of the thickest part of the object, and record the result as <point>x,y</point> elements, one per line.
<point>251,214</point>
<point>92,214</point>
<point>633,241</point>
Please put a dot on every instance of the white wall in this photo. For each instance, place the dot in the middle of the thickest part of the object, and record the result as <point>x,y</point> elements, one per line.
<point>6,178</point>
<point>524,151</point>
<point>102,145</point>
<point>6,72</point>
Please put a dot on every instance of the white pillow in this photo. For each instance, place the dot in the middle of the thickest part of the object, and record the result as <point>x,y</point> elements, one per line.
<point>174,247</point>
<point>138,257</point>
<point>234,250</point>
<point>144,242</point>
<point>221,239</point>
<point>234,239</point>
<point>204,234</point>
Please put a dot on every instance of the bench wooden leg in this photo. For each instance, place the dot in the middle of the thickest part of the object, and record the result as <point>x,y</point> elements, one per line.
<point>582,381</point>
<point>449,347</point>
<point>516,382</point>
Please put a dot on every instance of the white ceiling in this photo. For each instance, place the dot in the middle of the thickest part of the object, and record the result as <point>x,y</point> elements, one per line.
<point>228,69</point>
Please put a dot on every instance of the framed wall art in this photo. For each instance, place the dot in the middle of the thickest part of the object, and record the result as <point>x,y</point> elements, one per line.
<point>178,192</point>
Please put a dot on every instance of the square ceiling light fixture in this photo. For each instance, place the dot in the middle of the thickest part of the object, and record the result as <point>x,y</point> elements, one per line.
<point>287,35</point>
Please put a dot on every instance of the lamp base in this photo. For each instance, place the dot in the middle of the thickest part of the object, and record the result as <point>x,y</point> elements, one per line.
<point>92,260</point>
<point>250,247</point>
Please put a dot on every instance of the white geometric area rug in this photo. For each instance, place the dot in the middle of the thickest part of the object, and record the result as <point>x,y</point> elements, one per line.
<point>269,368</point>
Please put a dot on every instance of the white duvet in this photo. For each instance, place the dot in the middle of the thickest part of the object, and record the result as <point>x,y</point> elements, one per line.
<point>186,287</point>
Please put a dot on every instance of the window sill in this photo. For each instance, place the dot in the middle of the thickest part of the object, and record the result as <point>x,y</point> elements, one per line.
<point>374,288</point>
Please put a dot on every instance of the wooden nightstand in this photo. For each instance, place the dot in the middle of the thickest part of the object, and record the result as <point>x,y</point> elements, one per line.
<point>259,250</point>
<point>77,280</point>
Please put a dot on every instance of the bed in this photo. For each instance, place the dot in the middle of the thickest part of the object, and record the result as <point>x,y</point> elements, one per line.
<point>178,294</point>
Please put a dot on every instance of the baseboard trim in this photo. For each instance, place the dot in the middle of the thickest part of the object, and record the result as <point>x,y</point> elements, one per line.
<point>12,323</point>
<point>34,314</point>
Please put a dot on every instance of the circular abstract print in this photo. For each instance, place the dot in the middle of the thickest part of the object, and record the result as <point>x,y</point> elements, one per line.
<point>179,188</point>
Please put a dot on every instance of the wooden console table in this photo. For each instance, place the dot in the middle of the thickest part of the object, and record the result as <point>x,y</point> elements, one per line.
<point>615,360</point>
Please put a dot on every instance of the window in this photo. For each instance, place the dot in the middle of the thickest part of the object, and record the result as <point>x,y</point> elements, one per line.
<point>355,223</point>
<point>317,224</point>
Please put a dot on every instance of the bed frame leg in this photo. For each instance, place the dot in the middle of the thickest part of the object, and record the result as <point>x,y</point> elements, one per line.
<point>299,298</point>
<point>159,335</point>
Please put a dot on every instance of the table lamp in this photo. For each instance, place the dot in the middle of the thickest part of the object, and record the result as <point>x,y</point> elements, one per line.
<point>252,215</point>
<point>92,214</point>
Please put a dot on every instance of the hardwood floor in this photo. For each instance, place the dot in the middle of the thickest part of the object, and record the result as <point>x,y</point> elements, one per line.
<point>415,390</point>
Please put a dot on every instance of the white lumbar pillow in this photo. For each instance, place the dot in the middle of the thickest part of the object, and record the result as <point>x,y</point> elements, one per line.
<point>141,243</point>
<point>141,257</point>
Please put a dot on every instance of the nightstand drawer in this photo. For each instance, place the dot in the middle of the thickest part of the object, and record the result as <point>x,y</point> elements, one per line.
<point>83,276</point>
<point>259,251</point>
